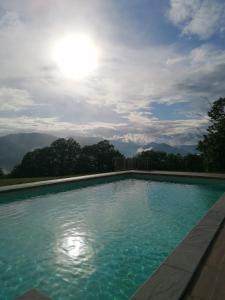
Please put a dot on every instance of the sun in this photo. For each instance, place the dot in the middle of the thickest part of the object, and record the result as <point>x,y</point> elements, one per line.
<point>76,56</point>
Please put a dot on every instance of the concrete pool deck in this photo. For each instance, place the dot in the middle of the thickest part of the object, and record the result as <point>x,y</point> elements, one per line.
<point>208,282</point>
<point>22,186</point>
<point>186,273</point>
<point>29,185</point>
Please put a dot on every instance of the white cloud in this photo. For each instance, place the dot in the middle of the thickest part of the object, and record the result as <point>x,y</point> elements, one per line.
<point>131,77</point>
<point>14,99</point>
<point>168,131</point>
<point>53,125</point>
<point>10,20</point>
<point>198,17</point>
<point>167,76</point>
<point>172,132</point>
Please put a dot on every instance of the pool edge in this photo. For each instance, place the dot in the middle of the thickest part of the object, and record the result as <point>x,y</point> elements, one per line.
<point>172,278</point>
<point>30,185</point>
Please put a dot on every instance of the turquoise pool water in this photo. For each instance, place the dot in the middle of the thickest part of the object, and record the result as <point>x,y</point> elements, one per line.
<point>95,240</point>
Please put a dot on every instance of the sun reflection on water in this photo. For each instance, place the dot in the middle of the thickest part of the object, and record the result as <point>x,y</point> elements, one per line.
<point>74,246</point>
<point>74,253</point>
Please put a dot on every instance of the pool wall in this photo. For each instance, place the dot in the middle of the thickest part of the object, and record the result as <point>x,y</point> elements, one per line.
<point>174,275</point>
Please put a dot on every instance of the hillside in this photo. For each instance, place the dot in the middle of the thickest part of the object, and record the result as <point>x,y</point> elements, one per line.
<point>14,146</point>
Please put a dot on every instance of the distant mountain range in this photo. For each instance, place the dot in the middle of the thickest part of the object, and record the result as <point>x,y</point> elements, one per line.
<point>131,148</point>
<point>183,149</point>
<point>14,146</point>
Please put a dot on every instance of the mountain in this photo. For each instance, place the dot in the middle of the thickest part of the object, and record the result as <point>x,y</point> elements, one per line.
<point>14,146</point>
<point>188,149</point>
<point>181,149</point>
<point>86,140</point>
<point>126,148</point>
<point>130,148</point>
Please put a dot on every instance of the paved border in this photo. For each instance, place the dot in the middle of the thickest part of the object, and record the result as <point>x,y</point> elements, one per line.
<point>22,186</point>
<point>183,174</point>
<point>172,278</point>
<point>16,187</point>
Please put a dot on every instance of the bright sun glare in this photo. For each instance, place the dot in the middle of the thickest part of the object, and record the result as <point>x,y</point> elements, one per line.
<point>76,56</point>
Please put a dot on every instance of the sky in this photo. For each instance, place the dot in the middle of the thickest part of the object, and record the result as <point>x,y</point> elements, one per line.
<point>160,65</point>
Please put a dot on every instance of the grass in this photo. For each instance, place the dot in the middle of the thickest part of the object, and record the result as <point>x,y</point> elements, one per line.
<point>11,181</point>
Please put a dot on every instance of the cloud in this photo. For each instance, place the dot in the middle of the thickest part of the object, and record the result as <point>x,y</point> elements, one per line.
<point>53,125</point>
<point>172,132</point>
<point>14,99</point>
<point>202,73</point>
<point>199,17</point>
<point>118,100</point>
<point>125,92</point>
<point>10,20</point>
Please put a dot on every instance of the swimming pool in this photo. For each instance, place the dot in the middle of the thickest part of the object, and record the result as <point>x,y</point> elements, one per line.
<point>99,239</point>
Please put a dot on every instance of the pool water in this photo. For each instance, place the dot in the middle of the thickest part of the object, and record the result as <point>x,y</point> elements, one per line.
<point>96,240</point>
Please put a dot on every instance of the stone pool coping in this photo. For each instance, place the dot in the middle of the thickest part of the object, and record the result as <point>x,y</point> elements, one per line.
<point>21,186</point>
<point>171,279</point>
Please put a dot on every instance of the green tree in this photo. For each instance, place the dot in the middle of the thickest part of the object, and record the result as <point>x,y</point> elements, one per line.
<point>102,154</point>
<point>59,159</point>
<point>66,157</point>
<point>212,146</point>
<point>193,162</point>
<point>157,159</point>
<point>1,173</point>
<point>168,161</point>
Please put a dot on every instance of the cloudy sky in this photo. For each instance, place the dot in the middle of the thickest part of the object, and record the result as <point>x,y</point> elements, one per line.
<point>160,63</point>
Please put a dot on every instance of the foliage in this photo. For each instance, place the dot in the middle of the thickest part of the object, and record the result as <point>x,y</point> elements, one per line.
<point>66,157</point>
<point>1,173</point>
<point>212,146</point>
<point>101,155</point>
<point>169,162</point>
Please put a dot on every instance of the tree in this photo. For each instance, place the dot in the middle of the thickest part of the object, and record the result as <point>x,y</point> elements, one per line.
<point>157,159</point>
<point>59,159</point>
<point>212,146</point>
<point>87,164</point>
<point>168,161</point>
<point>66,157</point>
<point>1,173</point>
<point>102,154</point>
<point>193,162</point>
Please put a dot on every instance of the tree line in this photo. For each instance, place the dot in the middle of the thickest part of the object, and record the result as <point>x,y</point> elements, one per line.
<point>66,157</point>
<point>168,161</point>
